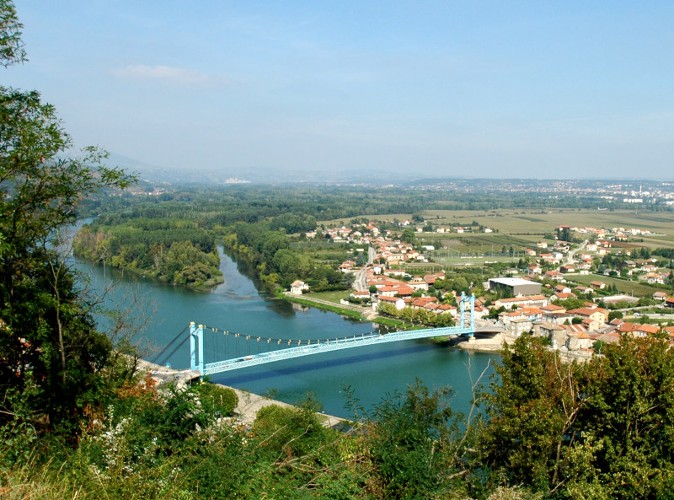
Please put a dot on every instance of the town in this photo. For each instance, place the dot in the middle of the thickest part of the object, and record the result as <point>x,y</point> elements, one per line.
<point>563,289</point>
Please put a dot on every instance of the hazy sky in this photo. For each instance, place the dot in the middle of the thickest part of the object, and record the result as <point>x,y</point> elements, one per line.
<point>458,88</point>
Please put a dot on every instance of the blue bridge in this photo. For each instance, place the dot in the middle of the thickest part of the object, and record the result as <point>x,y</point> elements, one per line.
<point>290,349</point>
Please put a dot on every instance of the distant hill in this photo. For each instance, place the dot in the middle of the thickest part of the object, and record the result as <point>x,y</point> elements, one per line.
<point>262,175</point>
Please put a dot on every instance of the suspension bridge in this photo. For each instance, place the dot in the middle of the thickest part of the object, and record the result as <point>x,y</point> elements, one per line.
<point>227,350</point>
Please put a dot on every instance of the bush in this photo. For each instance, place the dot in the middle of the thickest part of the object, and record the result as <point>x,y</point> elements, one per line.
<point>217,400</point>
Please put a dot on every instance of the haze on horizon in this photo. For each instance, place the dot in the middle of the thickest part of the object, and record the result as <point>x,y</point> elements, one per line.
<point>436,88</point>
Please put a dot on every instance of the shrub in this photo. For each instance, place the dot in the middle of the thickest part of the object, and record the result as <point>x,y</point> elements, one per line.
<point>217,400</point>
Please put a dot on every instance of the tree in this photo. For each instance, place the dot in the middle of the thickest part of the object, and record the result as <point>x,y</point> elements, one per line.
<point>11,46</point>
<point>531,414</point>
<point>407,235</point>
<point>411,443</point>
<point>614,314</point>
<point>50,351</point>
<point>630,411</point>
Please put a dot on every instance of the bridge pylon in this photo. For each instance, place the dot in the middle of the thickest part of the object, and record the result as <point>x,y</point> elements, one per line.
<point>470,321</point>
<point>197,347</point>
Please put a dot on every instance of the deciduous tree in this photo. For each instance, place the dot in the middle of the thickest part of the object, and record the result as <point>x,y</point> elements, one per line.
<point>50,350</point>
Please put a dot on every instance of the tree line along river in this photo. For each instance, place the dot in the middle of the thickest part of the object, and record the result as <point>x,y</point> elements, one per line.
<point>371,372</point>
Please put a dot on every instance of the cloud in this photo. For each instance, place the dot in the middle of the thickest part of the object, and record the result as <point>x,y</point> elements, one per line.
<point>168,74</point>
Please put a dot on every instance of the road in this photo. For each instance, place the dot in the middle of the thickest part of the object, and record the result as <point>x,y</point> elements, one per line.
<point>572,253</point>
<point>360,281</point>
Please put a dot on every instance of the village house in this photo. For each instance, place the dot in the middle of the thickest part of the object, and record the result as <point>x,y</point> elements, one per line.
<point>609,337</point>
<point>347,266</point>
<point>555,276</point>
<point>654,278</point>
<point>520,326</point>
<point>550,258</point>
<point>388,291</point>
<point>298,287</point>
<point>430,279</point>
<point>637,330</point>
<point>555,314</point>
<point>526,300</point>
<point>395,301</point>
<point>480,312</point>
<point>598,285</point>
<point>578,340</point>
<point>418,283</point>
<point>422,302</point>
<point>555,333</point>
<point>594,318</point>
<point>572,328</point>
<point>535,269</point>
<point>562,296</point>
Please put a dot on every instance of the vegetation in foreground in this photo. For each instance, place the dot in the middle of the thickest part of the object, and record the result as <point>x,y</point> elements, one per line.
<point>602,429</point>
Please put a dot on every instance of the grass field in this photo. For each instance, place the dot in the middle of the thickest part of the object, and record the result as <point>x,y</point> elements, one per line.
<point>333,297</point>
<point>520,222</point>
<point>532,224</point>
<point>636,288</point>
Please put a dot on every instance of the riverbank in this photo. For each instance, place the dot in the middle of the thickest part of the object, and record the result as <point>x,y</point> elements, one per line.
<point>248,405</point>
<point>359,313</point>
<point>354,312</point>
<point>495,344</point>
<point>489,344</point>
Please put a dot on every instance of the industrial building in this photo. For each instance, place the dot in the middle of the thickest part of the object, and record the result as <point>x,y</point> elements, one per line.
<point>514,287</point>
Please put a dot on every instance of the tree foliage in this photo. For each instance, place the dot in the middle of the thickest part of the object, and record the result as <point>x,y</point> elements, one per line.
<point>50,351</point>
<point>601,428</point>
<point>11,45</point>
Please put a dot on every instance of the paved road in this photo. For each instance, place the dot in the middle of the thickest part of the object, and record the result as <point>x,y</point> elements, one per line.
<point>572,253</point>
<point>360,281</point>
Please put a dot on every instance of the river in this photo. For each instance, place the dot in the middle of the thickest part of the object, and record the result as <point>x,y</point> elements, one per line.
<point>370,373</point>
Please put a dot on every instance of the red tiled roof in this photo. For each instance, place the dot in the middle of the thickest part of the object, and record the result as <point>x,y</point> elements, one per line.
<point>389,299</point>
<point>524,298</point>
<point>588,311</point>
<point>627,327</point>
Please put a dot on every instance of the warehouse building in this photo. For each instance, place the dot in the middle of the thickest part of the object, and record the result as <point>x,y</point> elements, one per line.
<point>514,287</point>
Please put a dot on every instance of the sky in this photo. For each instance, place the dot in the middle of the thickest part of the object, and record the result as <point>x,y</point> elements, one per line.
<point>552,89</point>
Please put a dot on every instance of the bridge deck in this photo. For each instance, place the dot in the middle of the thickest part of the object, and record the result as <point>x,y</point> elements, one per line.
<point>466,326</point>
<point>329,346</point>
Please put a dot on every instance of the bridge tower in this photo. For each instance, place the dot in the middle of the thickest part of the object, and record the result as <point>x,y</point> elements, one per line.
<point>463,321</point>
<point>196,347</point>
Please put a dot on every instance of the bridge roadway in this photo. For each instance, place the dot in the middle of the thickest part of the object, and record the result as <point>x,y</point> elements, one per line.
<point>310,349</point>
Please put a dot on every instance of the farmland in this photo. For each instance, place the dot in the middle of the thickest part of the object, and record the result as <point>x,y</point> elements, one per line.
<point>626,287</point>
<point>520,228</point>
